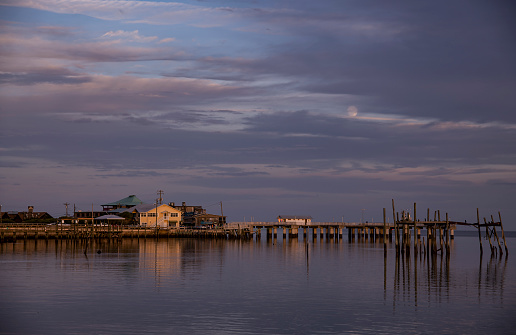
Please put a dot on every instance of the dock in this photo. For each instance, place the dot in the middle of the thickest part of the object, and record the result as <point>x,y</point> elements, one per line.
<point>14,232</point>
<point>427,235</point>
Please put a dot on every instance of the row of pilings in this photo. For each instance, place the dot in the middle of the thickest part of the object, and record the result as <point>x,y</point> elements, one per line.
<point>491,233</point>
<point>439,232</point>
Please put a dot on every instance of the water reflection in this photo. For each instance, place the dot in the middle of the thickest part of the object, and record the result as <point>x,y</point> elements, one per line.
<point>277,285</point>
<point>427,278</point>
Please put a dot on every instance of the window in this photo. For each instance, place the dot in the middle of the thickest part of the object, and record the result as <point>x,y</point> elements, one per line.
<point>174,215</point>
<point>143,215</point>
<point>151,215</point>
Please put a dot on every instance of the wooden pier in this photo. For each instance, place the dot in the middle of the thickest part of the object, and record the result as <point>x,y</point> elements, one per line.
<point>410,234</point>
<point>14,232</point>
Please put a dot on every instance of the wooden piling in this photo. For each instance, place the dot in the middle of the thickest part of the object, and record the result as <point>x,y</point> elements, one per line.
<point>496,235</point>
<point>479,233</point>
<point>384,232</point>
<point>395,226</point>
<point>503,234</point>
<point>488,235</point>
<point>415,229</point>
<point>434,239</point>
<point>447,235</point>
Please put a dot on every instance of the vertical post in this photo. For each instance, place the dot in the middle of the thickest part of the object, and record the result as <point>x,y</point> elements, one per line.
<point>488,235</point>
<point>434,234</point>
<point>441,236</point>
<point>395,226</point>
<point>503,234</point>
<point>415,230</point>
<point>479,234</point>
<point>92,219</point>
<point>384,232</point>
<point>447,234</point>
<point>428,233</point>
<point>496,235</point>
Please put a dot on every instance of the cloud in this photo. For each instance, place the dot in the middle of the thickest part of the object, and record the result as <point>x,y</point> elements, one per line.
<point>52,75</point>
<point>130,36</point>
<point>104,51</point>
<point>164,13</point>
<point>284,105</point>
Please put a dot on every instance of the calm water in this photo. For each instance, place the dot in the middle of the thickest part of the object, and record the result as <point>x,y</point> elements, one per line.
<point>181,286</point>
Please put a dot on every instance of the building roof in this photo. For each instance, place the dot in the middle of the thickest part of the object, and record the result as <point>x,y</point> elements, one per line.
<point>149,207</point>
<point>110,217</point>
<point>142,208</point>
<point>119,210</point>
<point>207,215</point>
<point>295,217</point>
<point>131,200</point>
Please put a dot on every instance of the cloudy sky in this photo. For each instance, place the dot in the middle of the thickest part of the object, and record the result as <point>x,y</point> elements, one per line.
<point>326,108</point>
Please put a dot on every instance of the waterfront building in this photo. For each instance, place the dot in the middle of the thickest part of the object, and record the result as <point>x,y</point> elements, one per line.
<point>189,212</point>
<point>115,207</point>
<point>28,216</point>
<point>163,216</point>
<point>209,220</point>
<point>295,219</point>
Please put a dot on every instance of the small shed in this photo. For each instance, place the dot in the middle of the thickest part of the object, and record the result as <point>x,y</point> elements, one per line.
<point>295,219</point>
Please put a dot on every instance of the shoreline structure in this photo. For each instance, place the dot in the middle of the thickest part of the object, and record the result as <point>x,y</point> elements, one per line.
<point>406,231</point>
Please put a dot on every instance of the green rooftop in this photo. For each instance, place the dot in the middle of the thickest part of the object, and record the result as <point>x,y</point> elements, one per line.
<point>131,200</point>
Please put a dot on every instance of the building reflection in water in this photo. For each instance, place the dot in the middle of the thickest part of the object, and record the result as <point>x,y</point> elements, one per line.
<point>409,278</point>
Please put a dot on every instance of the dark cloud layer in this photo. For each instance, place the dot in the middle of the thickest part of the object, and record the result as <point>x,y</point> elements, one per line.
<point>323,107</point>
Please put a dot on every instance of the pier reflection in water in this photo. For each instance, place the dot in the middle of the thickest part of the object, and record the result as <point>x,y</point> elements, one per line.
<point>277,285</point>
<point>434,279</point>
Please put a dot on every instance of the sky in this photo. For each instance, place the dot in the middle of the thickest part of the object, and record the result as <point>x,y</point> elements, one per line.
<point>328,108</point>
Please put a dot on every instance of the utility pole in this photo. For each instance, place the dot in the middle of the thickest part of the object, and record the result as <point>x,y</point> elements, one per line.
<point>160,193</point>
<point>222,221</point>
<point>157,216</point>
<point>66,206</point>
